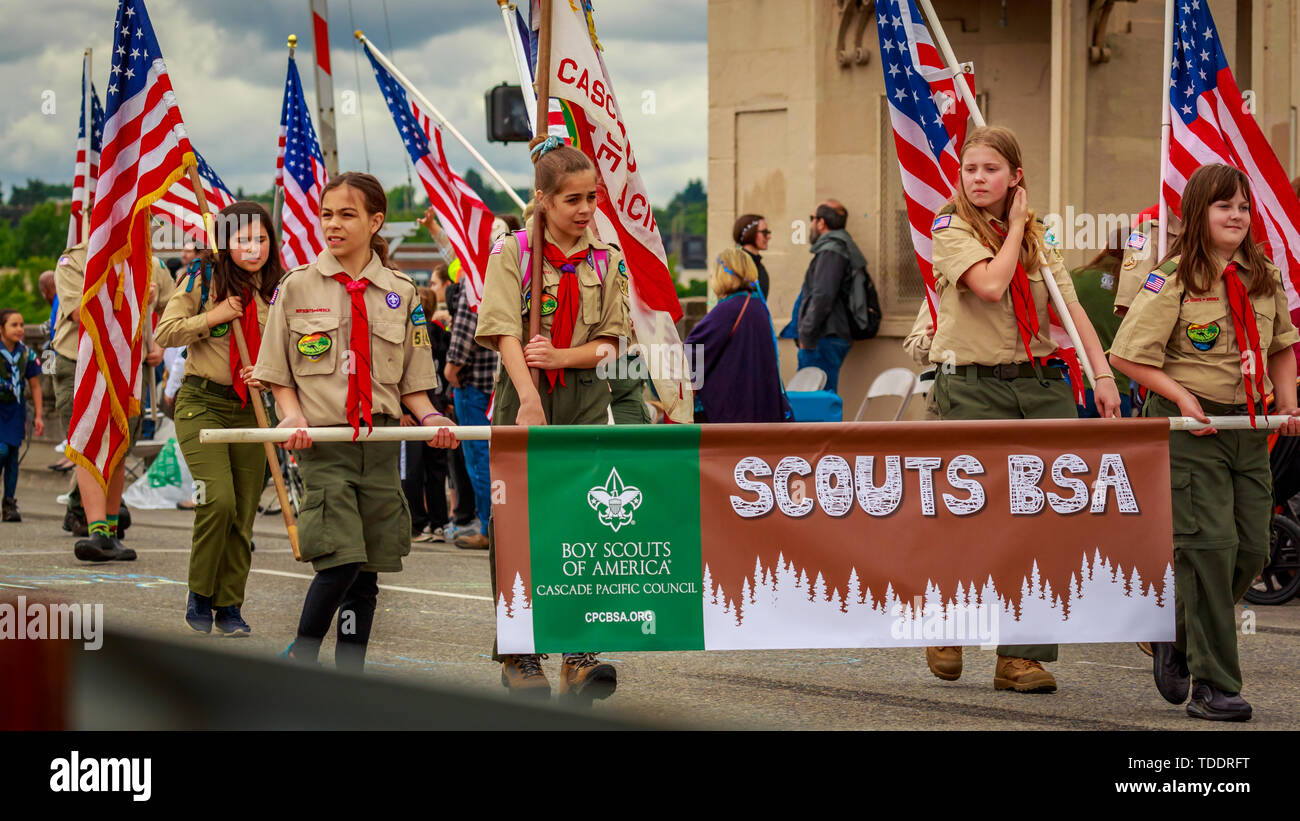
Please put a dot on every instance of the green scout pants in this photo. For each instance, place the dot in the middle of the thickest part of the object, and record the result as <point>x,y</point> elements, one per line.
<point>626,399</point>
<point>228,481</point>
<point>354,510</point>
<point>1222,494</point>
<point>966,396</point>
<point>582,400</point>
<point>65,379</point>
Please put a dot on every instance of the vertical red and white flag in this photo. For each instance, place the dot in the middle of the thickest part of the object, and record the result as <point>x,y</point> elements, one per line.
<point>145,151</point>
<point>87,164</point>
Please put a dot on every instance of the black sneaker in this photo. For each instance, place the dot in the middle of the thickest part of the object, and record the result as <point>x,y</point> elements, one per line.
<point>1211,703</point>
<point>124,553</point>
<point>229,623</point>
<point>9,511</point>
<point>1169,667</point>
<point>198,613</point>
<point>75,523</point>
<point>96,548</point>
<point>123,522</point>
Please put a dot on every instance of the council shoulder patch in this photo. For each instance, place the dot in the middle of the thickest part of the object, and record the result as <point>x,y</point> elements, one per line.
<point>1137,240</point>
<point>1154,283</point>
<point>941,221</point>
<point>417,316</point>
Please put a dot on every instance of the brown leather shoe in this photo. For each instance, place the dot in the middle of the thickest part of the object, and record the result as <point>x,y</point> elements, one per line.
<point>476,541</point>
<point>1145,647</point>
<point>1023,676</point>
<point>585,678</point>
<point>522,675</point>
<point>945,662</point>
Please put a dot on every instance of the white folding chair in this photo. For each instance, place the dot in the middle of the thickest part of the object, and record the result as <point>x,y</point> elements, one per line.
<point>900,382</point>
<point>807,379</point>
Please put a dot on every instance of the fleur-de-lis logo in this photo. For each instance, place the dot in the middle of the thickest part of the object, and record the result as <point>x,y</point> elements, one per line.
<point>615,501</point>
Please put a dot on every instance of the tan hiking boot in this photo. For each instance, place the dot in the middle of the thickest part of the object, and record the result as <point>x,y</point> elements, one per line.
<point>1145,647</point>
<point>475,541</point>
<point>586,678</point>
<point>945,662</point>
<point>1023,676</point>
<point>523,675</point>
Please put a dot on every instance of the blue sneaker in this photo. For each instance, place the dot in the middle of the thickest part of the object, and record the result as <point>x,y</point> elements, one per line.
<point>230,623</point>
<point>198,613</point>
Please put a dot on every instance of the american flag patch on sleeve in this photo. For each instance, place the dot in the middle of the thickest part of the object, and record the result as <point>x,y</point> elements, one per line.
<point>1137,240</point>
<point>942,221</point>
<point>496,246</point>
<point>1154,283</point>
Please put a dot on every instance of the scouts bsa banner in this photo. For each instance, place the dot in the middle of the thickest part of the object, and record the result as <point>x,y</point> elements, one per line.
<point>724,537</point>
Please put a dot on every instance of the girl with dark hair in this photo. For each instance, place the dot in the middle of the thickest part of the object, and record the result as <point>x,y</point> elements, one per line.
<point>18,368</point>
<point>347,343</point>
<point>236,282</point>
<point>583,315</point>
<point>1209,333</point>
<point>751,233</point>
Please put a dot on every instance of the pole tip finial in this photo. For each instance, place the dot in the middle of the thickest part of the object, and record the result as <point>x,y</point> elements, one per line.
<point>358,34</point>
<point>293,41</point>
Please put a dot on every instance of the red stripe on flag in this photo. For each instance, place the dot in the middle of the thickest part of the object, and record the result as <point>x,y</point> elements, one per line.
<point>321,42</point>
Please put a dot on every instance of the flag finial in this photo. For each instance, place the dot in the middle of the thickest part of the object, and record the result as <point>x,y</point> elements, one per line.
<point>293,41</point>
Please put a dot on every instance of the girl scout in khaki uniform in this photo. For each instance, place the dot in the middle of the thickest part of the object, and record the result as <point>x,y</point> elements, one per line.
<point>347,343</point>
<point>583,310</point>
<point>237,284</point>
<point>993,341</point>
<point>1197,335</point>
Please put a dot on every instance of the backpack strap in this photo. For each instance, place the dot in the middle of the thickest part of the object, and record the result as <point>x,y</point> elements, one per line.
<point>524,258</point>
<point>203,273</point>
<point>599,260</point>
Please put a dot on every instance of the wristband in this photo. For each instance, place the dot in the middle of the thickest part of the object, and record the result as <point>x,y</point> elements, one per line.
<point>427,415</point>
<point>1104,376</point>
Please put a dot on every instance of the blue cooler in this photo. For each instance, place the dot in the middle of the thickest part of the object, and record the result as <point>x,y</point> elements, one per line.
<point>816,406</point>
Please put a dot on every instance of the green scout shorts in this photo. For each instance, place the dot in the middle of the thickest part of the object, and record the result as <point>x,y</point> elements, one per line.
<point>583,399</point>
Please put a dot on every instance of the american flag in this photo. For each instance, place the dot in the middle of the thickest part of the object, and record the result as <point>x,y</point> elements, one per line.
<point>464,217</point>
<point>179,207</point>
<point>301,156</point>
<point>85,173</point>
<point>929,118</point>
<point>1211,124</point>
<point>145,150</point>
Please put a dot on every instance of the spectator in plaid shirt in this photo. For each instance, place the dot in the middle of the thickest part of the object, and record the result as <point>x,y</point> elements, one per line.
<point>471,370</point>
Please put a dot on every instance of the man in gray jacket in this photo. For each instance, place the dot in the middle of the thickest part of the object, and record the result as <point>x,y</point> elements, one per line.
<point>823,322</point>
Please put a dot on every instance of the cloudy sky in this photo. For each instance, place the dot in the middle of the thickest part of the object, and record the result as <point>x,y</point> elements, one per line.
<point>227,64</point>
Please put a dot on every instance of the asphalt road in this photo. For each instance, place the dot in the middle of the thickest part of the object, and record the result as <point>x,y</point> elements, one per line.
<point>435,624</point>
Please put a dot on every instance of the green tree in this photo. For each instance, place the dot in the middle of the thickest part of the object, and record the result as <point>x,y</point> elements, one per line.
<point>18,289</point>
<point>41,233</point>
<point>687,212</point>
<point>494,198</point>
<point>38,191</point>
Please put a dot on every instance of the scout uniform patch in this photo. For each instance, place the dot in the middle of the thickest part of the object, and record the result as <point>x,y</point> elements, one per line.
<point>1154,283</point>
<point>1137,240</point>
<point>1108,282</point>
<point>420,338</point>
<point>1130,263</point>
<point>496,246</point>
<point>274,295</point>
<point>221,330</point>
<point>549,303</point>
<point>941,222</point>
<point>622,277</point>
<point>314,346</point>
<point>393,300</point>
<point>417,316</point>
<point>1204,336</point>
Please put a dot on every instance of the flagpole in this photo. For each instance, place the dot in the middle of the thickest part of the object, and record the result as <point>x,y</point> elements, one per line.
<point>87,95</point>
<point>255,394</point>
<point>1166,127</point>
<point>279,186</point>
<point>525,84</point>
<point>429,107</point>
<point>1054,290</point>
<point>539,218</point>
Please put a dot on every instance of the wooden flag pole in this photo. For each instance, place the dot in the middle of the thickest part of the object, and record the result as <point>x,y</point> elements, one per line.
<point>87,97</point>
<point>538,235</point>
<point>255,394</point>
<point>1166,127</point>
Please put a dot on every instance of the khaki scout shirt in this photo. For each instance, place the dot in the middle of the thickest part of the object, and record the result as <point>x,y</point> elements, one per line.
<point>504,310</point>
<point>309,327</point>
<point>1140,258</point>
<point>69,282</point>
<point>185,323</point>
<point>972,331</point>
<point>1192,338</point>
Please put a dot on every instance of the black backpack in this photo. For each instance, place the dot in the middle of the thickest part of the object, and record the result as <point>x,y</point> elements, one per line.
<point>860,297</point>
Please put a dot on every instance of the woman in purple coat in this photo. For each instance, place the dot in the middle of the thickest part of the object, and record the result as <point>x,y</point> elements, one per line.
<point>738,380</point>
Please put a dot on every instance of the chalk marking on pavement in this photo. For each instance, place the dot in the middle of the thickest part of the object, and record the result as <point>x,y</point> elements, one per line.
<point>392,587</point>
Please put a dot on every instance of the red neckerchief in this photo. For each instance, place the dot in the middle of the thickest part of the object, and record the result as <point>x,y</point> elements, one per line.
<point>1243,322</point>
<point>1022,301</point>
<point>252,340</point>
<point>359,400</point>
<point>567,302</point>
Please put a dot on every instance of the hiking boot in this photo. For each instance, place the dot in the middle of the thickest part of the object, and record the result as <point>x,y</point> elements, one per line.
<point>1145,647</point>
<point>945,662</point>
<point>475,541</point>
<point>96,548</point>
<point>1169,666</point>
<point>124,553</point>
<point>198,613</point>
<point>75,523</point>
<point>1023,676</point>
<point>9,511</point>
<point>1211,703</point>
<point>229,623</point>
<point>522,675</point>
<point>583,677</point>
